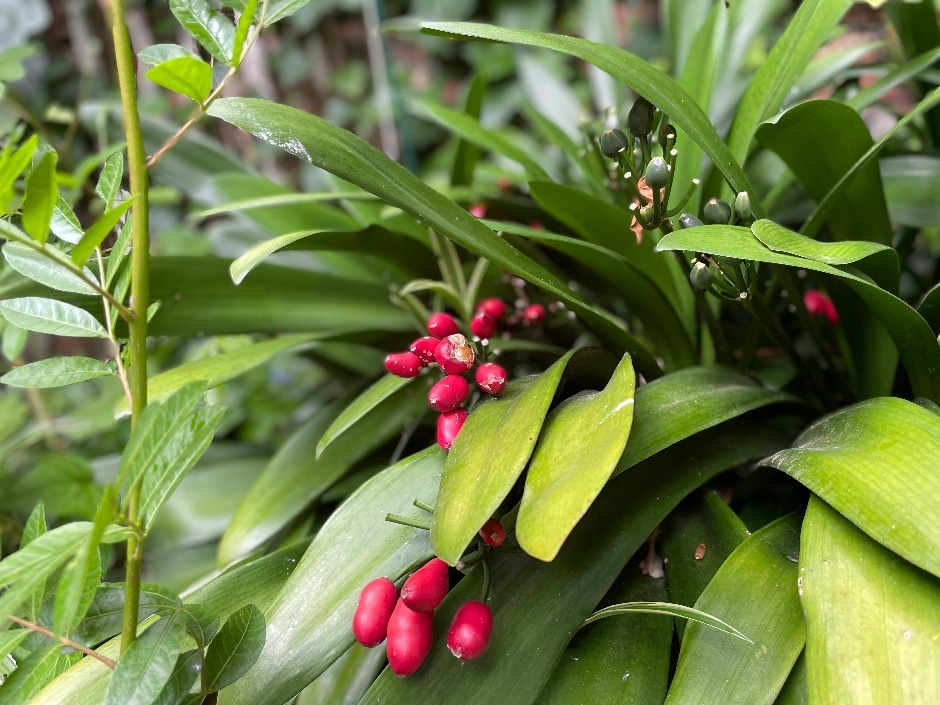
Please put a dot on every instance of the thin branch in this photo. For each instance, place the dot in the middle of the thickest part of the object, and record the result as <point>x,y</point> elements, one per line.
<point>65,641</point>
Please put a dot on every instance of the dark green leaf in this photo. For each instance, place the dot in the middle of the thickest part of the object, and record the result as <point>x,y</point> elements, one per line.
<point>667,609</point>
<point>187,75</point>
<point>347,680</point>
<point>76,589</point>
<point>42,192</point>
<point>105,614</point>
<point>49,267</point>
<point>185,672</point>
<point>213,30</point>
<point>235,648</point>
<point>467,153</point>
<point>56,372</point>
<point>794,690</point>
<point>96,234</point>
<point>33,672</point>
<point>145,668</point>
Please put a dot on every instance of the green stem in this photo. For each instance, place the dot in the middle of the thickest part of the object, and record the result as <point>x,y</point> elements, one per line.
<point>140,293</point>
<point>407,521</point>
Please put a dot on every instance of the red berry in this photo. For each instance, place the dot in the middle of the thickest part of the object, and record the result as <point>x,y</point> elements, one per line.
<point>449,393</point>
<point>483,326</point>
<point>441,325</point>
<point>409,639</point>
<point>376,602</point>
<point>403,364</point>
<point>427,587</point>
<point>818,304</point>
<point>491,378</point>
<point>424,348</point>
<point>534,313</point>
<point>454,354</point>
<point>493,307</point>
<point>448,426</point>
<point>493,533</point>
<point>469,633</point>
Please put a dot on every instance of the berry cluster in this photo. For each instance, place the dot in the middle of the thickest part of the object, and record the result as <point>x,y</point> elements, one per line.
<point>405,621</point>
<point>450,349</point>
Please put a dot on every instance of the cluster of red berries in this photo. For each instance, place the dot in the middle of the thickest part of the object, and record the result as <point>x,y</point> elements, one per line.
<point>446,346</point>
<point>405,622</point>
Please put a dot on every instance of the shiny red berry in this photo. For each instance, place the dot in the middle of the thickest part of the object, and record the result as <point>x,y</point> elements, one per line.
<point>494,308</point>
<point>410,635</point>
<point>454,354</point>
<point>424,348</point>
<point>441,325</point>
<point>483,326</point>
<point>403,364</point>
<point>449,393</point>
<point>448,426</point>
<point>469,632</point>
<point>533,313</point>
<point>493,533</point>
<point>491,378</point>
<point>376,603</point>
<point>427,587</point>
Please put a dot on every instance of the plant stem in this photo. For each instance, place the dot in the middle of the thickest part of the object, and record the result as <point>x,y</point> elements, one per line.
<point>406,521</point>
<point>65,641</point>
<point>140,293</point>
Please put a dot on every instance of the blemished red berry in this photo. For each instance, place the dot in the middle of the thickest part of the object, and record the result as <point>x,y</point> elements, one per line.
<point>491,378</point>
<point>376,603</point>
<point>454,354</point>
<point>424,347</point>
<point>483,326</point>
<point>493,307</point>
<point>469,632</point>
<point>409,640</point>
<point>493,533</point>
<point>533,313</point>
<point>449,393</point>
<point>403,364</point>
<point>427,587</point>
<point>440,325</point>
<point>448,426</point>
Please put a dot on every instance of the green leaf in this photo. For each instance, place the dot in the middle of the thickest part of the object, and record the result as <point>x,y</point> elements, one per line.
<point>754,591</point>
<point>187,75</point>
<point>145,668</point>
<point>578,449</point>
<point>794,690</point>
<point>57,372</point>
<point>99,231</point>
<point>185,672</point>
<point>213,30</point>
<point>667,608</point>
<point>65,225</point>
<point>158,53</point>
<point>260,252</point>
<point>487,458</point>
<point>871,617</point>
<point>875,462</point>
<point>52,317</point>
<point>12,165</point>
<point>308,623</point>
<point>109,182</point>
<point>346,680</point>
<point>341,153</point>
<point>235,648</point>
<point>48,267</point>
<point>242,30</point>
<point>42,192</point>
<point>910,180</point>
<point>76,589</point>
<point>373,396</point>
<point>106,612</point>
<point>834,253</point>
<point>33,672</point>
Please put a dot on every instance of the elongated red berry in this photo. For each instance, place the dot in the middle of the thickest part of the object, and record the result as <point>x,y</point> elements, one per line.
<point>818,304</point>
<point>454,354</point>
<point>440,325</point>
<point>376,603</point>
<point>483,326</point>
<point>493,533</point>
<point>469,632</point>
<point>424,347</point>
<point>491,378</point>
<point>427,587</point>
<point>533,313</point>
<point>493,307</point>
<point>448,426</point>
<point>449,393</point>
<point>410,635</point>
<point>403,364</point>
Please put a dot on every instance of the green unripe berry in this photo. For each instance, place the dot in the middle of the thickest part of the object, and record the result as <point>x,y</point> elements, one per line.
<point>717,212</point>
<point>647,214</point>
<point>701,276</point>
<point>657,173</point>
<point>742,206</point>
<point>687,220</point>
<point>613,142</point>
<point>640,119</point>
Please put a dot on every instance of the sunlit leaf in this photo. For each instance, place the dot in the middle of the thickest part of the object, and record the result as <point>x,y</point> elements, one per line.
<point>42,192</point>
<point>187,75</point>
<point>52,317</point>
<point>48,268</point>
<point>213,30</point>
<point>57,372</point>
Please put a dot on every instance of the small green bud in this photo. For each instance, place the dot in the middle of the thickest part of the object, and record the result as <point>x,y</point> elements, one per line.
<point>701,276</point>
<point>646,216</point>
<point>687,220</point>
<point>717,212</point>
<point>657,173</point>
<point>742,206</point>
<point>640,119</point>
<point>613,142</point>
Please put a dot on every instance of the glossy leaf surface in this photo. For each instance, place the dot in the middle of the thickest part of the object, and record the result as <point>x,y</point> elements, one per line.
<point>44,268</point>
<point>187,75</point>
<point>213,30</point>
<point>235,648</point>
<point>148,663</point>
<point>52,317</point>
<point>57,372</point>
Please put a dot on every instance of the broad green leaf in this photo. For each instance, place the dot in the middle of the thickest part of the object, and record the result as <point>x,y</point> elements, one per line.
<point>308,623</point>
<point>242,29</point>
<point>871,617</point>
<point>347,680</point>
<point>187,75</point>
<point>48,267</point>
<point>158,53</point>
<point>834,253</point>
<point>794,691</point>
<point>188,667</point>
<point>876,463</point>
<point>105,614</point>
<point>754,590</point>
<point>910,180</point>
<point>144,669</point>
<point>12,167</point>
<point>12,341</point>
<point>65,225</point>
<point>11,638</point>
<point>295,476</point>
<point>213,30</point>
<point>351,158</point>
<point>33,672</point>
<point>52,317</point>
<point>275,10</point>
<point>487,458</point>
<point>96,234</point>
<point>42,192</point>
<point>235,648</point>
<point>109,182</point>
<point>911,334</point>
<point>57,372</point>
<point>578,448</point>
<point>667,609</point>
<point>360,406</point>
